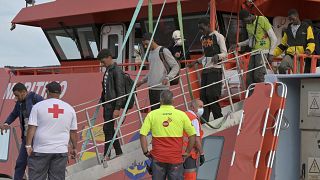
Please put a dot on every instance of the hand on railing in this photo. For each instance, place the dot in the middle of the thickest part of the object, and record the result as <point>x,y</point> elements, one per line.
<point>4,128</point>
<point>307,52</point>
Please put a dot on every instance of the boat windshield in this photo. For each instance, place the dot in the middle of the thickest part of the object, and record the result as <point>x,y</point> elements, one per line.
<point>74,43</point>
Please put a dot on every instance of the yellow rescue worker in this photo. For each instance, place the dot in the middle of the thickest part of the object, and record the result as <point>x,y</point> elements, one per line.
<point>167,125</point>
<point>190,164</point>
<point>298,38</point>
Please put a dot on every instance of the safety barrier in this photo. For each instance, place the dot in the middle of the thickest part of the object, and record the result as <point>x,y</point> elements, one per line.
<point>138,109</point>
<point>300,59</point>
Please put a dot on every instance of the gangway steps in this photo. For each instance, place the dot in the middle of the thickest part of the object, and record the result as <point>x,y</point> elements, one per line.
<point>90,169</point>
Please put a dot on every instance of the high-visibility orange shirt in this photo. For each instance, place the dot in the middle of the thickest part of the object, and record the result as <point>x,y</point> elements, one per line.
<point>167,125</point>
<point>192,117</point>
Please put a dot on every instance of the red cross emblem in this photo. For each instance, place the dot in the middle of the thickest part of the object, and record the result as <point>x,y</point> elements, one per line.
<point>55,111</point>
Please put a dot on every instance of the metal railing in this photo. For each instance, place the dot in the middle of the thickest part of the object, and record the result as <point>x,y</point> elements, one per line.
<point>138,109</point>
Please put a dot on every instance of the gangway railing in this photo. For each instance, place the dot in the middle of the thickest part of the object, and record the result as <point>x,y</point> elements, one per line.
<point>299,59</point>
<point>138,108</point>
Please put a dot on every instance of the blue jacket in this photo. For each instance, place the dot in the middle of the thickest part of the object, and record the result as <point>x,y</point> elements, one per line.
<point>31,99</point>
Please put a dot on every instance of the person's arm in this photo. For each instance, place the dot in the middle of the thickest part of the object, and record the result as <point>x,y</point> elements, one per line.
<point>191,132</point>
<point>172,63</point>
<point>32,127</point>
<point>310,40</point>
<point>13,115</point>
<point>267,27</point>
<point>273,40</point>
<point>73,134</point>
<point>222,44</point>
<point>119,87</point>
<point>244,43</point>
<point>145,129</point>
<point>198,145</point>
<point>144,144</point>
<point>282,46</point>
<point>30,134</point>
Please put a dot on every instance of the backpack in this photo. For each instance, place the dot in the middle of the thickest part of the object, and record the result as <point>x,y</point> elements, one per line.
<point>128,82</point>
<point>168,68</point>
<point>316,33</point>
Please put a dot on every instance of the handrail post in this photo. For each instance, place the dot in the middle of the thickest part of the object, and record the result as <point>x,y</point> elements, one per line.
<point>93,138</point>
<point>239,70</point>
<point>120,132</point>
<point>302,60</point>
<point>228,88</point>
<point>183,93</point>
<point>264,61</point>
<point>314,60</point>
<point>138,107</point>
<point>295,64</point>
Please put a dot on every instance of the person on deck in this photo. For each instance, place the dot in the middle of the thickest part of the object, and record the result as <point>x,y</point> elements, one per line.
<point>214,49</point>
<point>167,125</point>
<point>113,86</point>
<point>297,39</point>
<point>190,164</point>
<point>158,78</point>
<point>261,37</point>
<point>25,101</point>
<point>176,48</point>
<point>52,124</point>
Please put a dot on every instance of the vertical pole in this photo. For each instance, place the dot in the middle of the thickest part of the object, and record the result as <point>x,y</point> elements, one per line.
<point>213,15</point>
<point>243,86</point>
<point>228,88</point>
<point>150,16</point>
<point>93,138</point>
<point>314,60</point>
<point>120,133</point>
<point>295,64</point>
<point>138,107</point>
<point>183,93</point>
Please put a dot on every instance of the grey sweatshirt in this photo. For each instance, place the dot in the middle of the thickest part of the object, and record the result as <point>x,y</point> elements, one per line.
<point>157,71</point>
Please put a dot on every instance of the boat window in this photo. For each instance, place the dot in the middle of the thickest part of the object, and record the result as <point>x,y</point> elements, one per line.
<point>73,43</point>
<point>213,146</point>
<point>88,42</point>
<point>65,44</point>
<point>113,45</point>
<point>4,146</point>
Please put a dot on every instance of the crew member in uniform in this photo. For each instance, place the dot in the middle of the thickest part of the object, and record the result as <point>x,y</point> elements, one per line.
<point>190,164</point>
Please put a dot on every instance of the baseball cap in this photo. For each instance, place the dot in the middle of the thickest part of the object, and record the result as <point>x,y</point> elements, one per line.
<point>54,87</point>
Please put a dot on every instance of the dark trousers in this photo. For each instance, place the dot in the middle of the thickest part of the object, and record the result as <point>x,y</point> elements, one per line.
<point>257,75</point>
<point>154,98</point>
<point>162,171</point>
<point>108,129</point>
<point>51,165</point>
<point>211,93</point>
<point>307,65</point>
<point>21,162</point>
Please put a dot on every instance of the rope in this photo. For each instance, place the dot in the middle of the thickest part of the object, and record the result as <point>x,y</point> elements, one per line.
<point>150,16</point>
